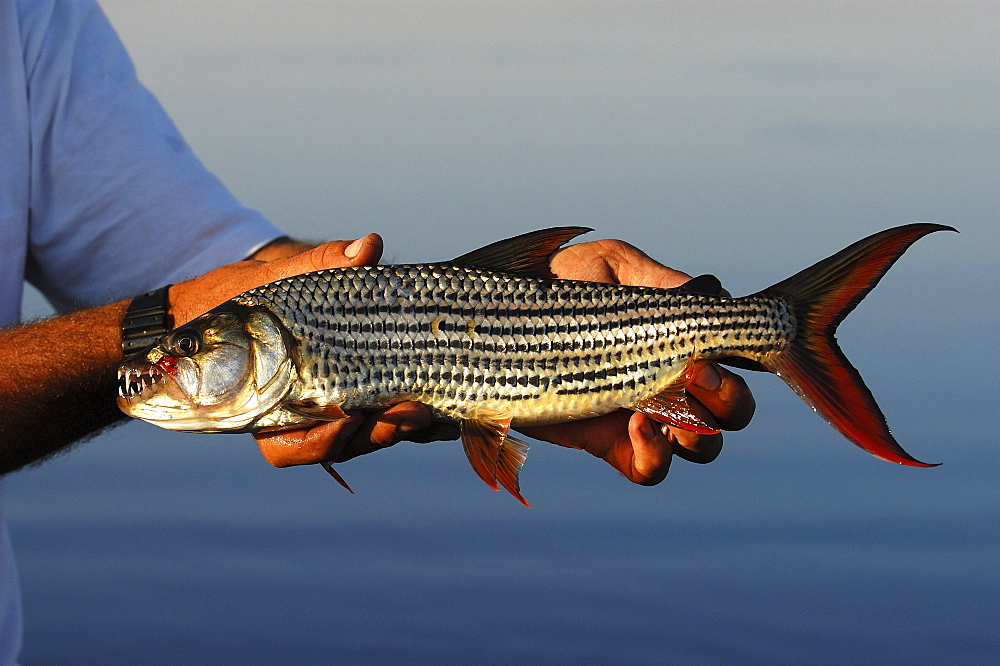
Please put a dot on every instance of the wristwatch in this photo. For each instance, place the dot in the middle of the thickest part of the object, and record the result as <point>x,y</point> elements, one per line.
<point>146,319</point>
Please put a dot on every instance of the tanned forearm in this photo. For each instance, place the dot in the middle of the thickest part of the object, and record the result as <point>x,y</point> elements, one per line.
<point>58,382</point>
<point>59,377</point>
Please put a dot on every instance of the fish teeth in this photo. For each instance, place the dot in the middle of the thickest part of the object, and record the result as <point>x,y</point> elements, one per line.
<point>132,381</point>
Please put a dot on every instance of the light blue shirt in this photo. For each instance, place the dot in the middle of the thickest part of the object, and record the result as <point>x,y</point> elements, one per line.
<point>100,196</point>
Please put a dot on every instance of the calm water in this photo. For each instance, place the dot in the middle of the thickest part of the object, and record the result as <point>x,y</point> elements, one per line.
<point>745,142</point>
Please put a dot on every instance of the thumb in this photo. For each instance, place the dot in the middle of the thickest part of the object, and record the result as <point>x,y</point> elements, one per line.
<point>190,298</point>
<point>335,254</point>
<point>632,266</point>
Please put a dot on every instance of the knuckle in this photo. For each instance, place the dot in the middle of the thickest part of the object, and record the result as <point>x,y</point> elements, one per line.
<point>617,247</point>
<point>743,405</point>
<point>733,404</point>
<point>702,449</point>
<point>324,256</point>
<point>656,477</point>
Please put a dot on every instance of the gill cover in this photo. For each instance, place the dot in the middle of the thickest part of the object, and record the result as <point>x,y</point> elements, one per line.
<point>222,372</point>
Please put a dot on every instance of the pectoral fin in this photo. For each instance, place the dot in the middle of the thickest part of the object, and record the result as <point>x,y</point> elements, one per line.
<point>328,466</point>
<point>310,409</point>
<point>671,406</point>
<point>494,454</point>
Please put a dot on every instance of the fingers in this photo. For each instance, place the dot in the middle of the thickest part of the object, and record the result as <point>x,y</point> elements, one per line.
<point>629,442</point>
<point>721,399</point>
<point>305,446</point>
<point>692,446</point>
<point>334,254</point>
<point>383,429</point>
<point>280,248</point>
<point>724,394</point>
<point>651,451</point>
<point>632,266</point>
<point>615,262</point>
<point>191,298</point>
<point>355,435</point>
<point>639,448</point>
<point>364,251</point>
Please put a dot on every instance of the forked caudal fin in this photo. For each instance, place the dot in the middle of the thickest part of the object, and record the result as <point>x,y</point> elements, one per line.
<point>813,365</point>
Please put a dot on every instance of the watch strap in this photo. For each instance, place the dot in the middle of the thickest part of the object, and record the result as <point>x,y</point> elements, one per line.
<point>146,319</point>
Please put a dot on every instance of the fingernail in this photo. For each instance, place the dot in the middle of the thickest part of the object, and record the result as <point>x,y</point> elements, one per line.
<point>406,427</point>
<point>708,378</point>
<point>354,248</point>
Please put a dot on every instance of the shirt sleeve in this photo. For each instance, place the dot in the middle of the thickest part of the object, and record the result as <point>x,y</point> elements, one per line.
<point>119,203</point>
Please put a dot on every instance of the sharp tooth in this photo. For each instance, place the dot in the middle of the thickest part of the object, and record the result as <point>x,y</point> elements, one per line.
<point>132,381</point>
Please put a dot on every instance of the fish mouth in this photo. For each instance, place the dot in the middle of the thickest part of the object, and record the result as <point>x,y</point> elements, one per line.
<point>133,382</point>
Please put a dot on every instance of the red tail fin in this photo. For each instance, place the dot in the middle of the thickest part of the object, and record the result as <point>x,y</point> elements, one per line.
<point>813,365</point>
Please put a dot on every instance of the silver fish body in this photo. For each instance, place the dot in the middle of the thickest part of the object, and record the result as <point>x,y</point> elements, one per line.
<point>468,342</point>
<point>490,341</point>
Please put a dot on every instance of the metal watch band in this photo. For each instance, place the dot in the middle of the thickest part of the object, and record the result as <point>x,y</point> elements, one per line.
<point>146,319</point>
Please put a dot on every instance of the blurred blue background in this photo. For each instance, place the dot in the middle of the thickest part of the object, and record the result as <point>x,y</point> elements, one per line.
<point>744,139</point>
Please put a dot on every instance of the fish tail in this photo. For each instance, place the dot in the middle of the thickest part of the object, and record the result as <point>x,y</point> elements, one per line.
<point>820,297</point>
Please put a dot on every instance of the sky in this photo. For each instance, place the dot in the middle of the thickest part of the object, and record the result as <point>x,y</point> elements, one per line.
<point>735,124</point>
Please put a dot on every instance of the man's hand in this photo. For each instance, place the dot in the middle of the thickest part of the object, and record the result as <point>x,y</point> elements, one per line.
<point>273,262</point>
<point>334,441</point>
<point>636,446</point>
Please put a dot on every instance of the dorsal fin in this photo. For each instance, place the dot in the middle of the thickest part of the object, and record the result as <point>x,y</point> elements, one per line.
<point>703,285</point>
<point>526,255</point>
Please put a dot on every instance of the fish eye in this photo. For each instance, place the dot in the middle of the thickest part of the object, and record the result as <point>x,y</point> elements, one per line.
<point>185,343</point>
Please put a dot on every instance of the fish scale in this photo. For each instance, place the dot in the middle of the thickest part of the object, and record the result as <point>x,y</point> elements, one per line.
<point>465,340</point>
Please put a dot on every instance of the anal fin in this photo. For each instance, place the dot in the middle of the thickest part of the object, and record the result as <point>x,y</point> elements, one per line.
<point>495,455</point>
<point>671,406</point>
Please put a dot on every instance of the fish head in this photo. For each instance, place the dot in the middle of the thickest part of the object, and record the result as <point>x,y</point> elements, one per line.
<point>221,372</point>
